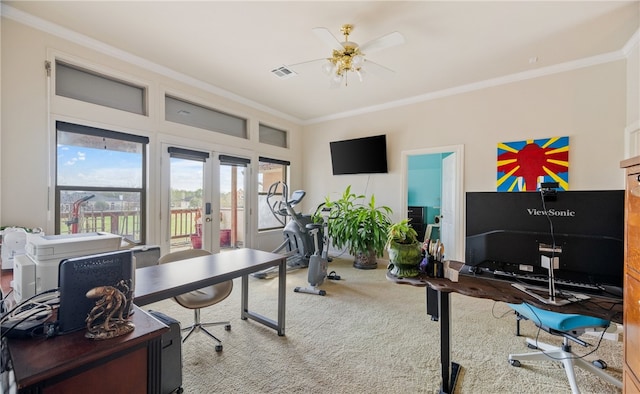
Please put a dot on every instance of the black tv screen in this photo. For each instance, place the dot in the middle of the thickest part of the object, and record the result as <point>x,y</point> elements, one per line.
<point>504,231</point>
<point>366,155</point>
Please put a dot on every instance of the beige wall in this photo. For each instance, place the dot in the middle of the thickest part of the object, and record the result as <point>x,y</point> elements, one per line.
<point>591,105</point>
<point>588,105</point>
<point>27,149</point>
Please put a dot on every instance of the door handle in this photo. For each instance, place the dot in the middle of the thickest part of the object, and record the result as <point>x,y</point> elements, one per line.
<point>207,209</point>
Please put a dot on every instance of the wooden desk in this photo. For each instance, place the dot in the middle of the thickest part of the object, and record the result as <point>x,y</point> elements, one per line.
<point>608,308</point>
<point>164,281</point>
<point>72,363</point>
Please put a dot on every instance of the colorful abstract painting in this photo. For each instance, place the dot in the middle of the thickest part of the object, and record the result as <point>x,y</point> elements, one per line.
<point>524,165</point>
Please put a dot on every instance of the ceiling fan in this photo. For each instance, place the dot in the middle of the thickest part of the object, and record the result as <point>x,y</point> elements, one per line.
<point>348,56</point>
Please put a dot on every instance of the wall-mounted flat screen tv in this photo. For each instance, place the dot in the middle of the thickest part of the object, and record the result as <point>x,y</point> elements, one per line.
<point>366,155</point>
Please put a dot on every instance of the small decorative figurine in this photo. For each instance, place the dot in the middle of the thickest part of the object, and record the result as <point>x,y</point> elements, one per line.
<point>108,318</point>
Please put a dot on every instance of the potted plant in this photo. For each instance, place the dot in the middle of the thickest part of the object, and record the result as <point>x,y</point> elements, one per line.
<point>361,228</point>
<point>404,249</point>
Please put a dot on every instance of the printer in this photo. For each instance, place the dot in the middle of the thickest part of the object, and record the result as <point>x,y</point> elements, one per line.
<point>37,270</point>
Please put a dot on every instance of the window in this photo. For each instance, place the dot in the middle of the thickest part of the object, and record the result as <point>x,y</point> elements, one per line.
<point>79,84</point>
<point>100,181</point>
<point>179,111</point>
<point>269,172</point>
<point>272,136</point>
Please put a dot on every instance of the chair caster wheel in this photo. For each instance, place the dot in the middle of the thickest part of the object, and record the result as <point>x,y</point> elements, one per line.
<point>322,293</point>
<point>599,364</point>
<point>515,363</point>
<point>297,290</point>
<point>218,348</point>
<point>227,327</point>
<point>530,346</point>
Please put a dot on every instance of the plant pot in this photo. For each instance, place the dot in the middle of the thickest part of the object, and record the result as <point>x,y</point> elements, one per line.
<point>196,241</point>
<point>404,259</point>
<point>403,271</point>
<point>405,254</point>
<point>225,238</point>
<point>366,261</point>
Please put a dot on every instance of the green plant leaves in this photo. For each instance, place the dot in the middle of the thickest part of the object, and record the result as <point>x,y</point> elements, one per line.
<point>357,226</point>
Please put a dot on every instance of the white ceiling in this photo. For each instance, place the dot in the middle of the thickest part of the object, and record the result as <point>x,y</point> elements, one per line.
<point>450,45</point>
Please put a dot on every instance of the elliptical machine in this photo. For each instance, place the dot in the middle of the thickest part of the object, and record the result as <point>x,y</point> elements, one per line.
<point>318,262</point>
<point>298,242</point>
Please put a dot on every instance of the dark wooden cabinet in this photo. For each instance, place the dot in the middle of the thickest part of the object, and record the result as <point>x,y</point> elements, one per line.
<point>631,376</point>
<point>417,218</point>
<point>71,363</point>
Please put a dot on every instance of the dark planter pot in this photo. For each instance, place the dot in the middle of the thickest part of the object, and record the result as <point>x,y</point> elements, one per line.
<point>366,261</point>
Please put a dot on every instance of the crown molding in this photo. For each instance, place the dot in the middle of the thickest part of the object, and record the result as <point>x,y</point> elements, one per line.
<point>98,46</point>
<point>633,41</point>
<point>507,79</point>
<point>80,39</point>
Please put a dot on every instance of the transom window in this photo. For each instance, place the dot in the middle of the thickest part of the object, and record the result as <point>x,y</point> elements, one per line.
<point>79,84</point>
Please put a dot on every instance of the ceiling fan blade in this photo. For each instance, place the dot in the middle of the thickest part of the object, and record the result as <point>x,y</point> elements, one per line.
<point>325,35</point>
<point>378,69</point>
<point>386,41</point>
<point>294,65</point>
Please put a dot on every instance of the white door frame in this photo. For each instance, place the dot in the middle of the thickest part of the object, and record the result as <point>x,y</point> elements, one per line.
<point>458,203</point>
<point>210,168</point>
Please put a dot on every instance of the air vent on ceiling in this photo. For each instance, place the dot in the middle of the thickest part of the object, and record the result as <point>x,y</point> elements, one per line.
<point>283,72</point>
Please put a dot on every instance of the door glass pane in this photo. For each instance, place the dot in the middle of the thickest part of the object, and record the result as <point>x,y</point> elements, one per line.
<point>186,187</point>
<point>232,206</point>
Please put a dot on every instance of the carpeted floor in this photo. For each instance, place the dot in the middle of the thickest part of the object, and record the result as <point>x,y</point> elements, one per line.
<point>368,335</point>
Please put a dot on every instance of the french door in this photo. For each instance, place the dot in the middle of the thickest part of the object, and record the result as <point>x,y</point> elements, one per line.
<point>187,201</point>
<point>233,201</point>
<point>204,200</point>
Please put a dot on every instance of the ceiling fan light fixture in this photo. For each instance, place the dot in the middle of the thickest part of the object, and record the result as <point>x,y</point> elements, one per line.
<point>348,56</point>
<point>328,67</point>
<point>357,61</point>
<point>336,80</point>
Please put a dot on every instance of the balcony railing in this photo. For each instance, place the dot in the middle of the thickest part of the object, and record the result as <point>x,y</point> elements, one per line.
<point>127,224</point>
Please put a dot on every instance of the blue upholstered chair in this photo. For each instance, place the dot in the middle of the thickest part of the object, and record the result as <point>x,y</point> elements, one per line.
<point>569,326</point>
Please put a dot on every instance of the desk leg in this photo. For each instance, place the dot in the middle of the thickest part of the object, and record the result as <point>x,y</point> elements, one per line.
<point>449,369</point>
<point>282,295</point>
<point>245,313</point>
<point>244,298</point>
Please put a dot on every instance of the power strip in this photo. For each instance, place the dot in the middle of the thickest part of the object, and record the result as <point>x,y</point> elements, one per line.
<point>26,329</point>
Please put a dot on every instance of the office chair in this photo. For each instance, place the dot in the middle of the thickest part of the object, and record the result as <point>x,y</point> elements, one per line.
<point>569,326</point>
<point>200,298</point>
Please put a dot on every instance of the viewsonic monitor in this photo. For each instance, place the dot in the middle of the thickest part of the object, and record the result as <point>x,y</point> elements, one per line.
<point>504,231</point>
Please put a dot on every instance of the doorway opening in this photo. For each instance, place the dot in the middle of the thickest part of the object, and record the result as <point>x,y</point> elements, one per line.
<point>433,182</point>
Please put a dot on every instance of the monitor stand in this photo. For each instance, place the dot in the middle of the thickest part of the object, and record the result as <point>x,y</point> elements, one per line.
<point>567,296</point>
<point>553,297</point>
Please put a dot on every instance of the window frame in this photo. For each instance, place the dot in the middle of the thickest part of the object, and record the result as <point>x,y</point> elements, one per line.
<point>97,132</point>
<point>264,191</point>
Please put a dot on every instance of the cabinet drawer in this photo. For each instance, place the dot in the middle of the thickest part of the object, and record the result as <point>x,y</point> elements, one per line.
<point>632,323</point>
<point>632,215</point>
<point>420,229</point>
<point>630,384</point>
<point>416,214</point>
